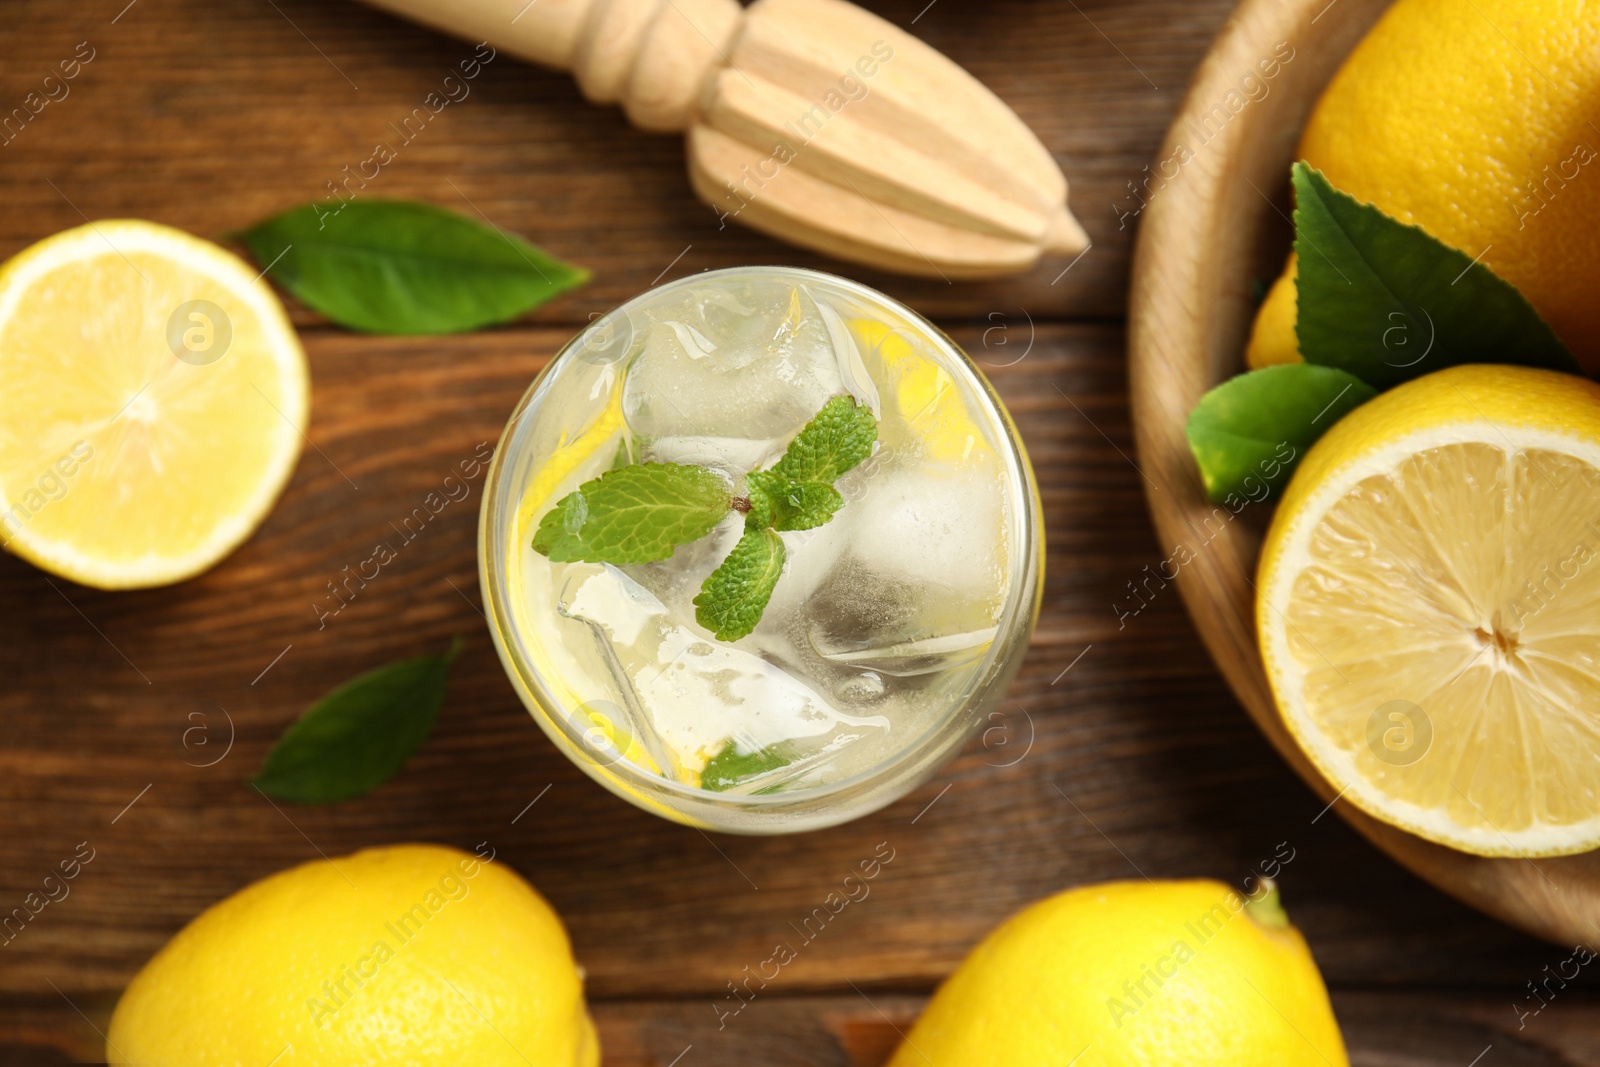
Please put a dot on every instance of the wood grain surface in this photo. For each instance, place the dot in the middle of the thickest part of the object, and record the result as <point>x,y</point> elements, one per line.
<point>1120,753</point>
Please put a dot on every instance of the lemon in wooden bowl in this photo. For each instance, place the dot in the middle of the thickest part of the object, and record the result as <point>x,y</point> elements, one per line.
<point>1427,613</point>
<point>1471,119</point>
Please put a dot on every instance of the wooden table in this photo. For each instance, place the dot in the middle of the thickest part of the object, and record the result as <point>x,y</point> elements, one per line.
<point>1119,754</point>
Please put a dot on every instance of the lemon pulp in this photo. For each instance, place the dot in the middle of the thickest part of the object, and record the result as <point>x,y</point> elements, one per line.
<point>1428,609</point>
<point>153,405</point>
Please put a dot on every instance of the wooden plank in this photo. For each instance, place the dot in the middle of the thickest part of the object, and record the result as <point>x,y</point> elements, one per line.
<point>1381,1029</point>
<point>210,116</point>
<point>1110,761</point>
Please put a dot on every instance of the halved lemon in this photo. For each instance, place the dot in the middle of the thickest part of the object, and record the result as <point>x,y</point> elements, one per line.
<point>153,400</point>
<point>1429,609</point>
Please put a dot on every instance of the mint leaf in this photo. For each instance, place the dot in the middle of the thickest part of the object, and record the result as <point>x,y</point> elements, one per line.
<point>399,267</point>
<point>729,767</point>
<point>1388,303</point>
<point>787,505</point>
<point>731,601</point>
<point>634,514</point>
<point>837,438</point>
<point>1248,433</point>
<point>356,738</point>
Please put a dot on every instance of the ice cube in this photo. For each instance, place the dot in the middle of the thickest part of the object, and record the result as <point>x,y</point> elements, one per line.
<point>810,556</point>
<point>922,579</point>
<point>904,658</point>
<point>735,455</point>
<point>615,611</point>
<point>935,529</point>
<point>754,367</point>
<point>872,622</point>
<point>694,694</point>
<point>852,369</point>
<point>676,580</point>
<point>610,599</point>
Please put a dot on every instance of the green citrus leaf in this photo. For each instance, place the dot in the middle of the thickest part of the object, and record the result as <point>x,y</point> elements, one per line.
<point>1248,433</point>
<point>732,599</point>
<point>730,767</point>
<point>836,439</point>
<point>787,505</point>
<point>1388,303</point>
<point>634,514</point>
<point>398,267</point>
<point>356,738</point>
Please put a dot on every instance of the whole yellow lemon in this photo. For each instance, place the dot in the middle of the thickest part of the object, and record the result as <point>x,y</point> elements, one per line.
<point>409,955</point>
<point>1472,119</point>
<point>1129,974</point>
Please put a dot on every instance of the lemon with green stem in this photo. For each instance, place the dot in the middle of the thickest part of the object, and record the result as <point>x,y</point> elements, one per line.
<point>1128,974</point>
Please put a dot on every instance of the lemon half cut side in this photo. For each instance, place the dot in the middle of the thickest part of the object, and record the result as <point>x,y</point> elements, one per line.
<point>153,401</point>
<point>1429,609</point>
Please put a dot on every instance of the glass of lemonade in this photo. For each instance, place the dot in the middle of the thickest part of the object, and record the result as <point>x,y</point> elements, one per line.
<point>894,626</point>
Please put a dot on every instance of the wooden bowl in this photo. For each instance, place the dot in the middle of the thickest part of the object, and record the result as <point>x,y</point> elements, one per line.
<point>1215,219</point>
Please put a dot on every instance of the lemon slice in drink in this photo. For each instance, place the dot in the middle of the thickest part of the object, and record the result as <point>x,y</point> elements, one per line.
<point>1429,609</point>
<point>153,398</point>
<point>920,398</point>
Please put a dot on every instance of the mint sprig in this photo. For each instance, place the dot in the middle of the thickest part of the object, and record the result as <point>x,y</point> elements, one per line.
<point>641,513</point>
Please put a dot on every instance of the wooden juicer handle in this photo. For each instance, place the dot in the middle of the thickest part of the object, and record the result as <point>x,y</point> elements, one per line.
<point>810,120</point>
